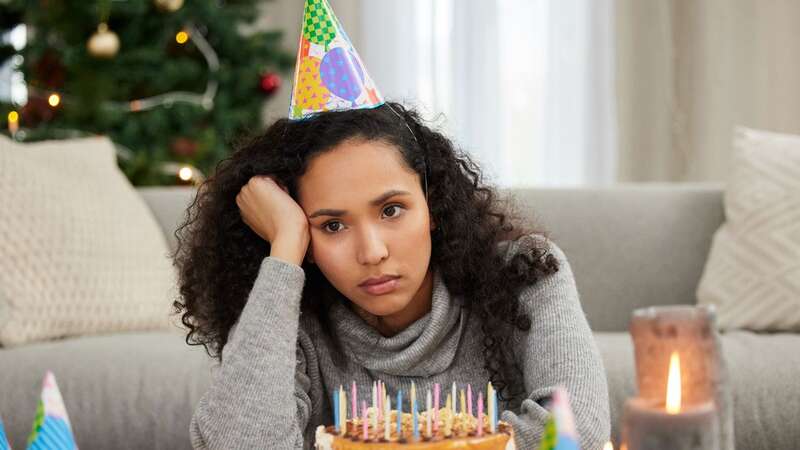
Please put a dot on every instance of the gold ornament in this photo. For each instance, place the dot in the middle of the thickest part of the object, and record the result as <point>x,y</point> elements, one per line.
<point>104,43</point>
<point>169,5</point>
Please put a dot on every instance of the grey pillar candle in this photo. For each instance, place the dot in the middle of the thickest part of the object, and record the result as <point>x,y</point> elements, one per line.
<point>659,333</point>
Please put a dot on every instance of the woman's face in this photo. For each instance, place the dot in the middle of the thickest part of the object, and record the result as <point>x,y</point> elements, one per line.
<point>369,223</point>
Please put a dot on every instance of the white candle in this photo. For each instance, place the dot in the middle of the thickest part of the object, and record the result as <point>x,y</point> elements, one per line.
<point>454,397</point>
<point>374,406</point>
<point>428,404</point>
<point>648,426</point>
<point>387,404</point>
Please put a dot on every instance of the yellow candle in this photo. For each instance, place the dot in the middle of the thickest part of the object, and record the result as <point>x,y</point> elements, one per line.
<point>386,413</point>
<point>463,403</point>
<point>343,410</point>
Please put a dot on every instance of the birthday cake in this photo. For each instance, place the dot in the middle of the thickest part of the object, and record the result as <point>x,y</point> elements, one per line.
<point>450,431</point>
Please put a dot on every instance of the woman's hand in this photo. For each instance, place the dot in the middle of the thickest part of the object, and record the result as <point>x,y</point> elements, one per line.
<point>269,210</point>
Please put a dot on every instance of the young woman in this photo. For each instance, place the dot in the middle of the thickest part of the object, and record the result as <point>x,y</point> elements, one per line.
<point>360,246</point>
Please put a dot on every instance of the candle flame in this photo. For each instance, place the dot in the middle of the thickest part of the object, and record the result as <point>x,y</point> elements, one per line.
<point>608,446</point>
<point>674,384</point>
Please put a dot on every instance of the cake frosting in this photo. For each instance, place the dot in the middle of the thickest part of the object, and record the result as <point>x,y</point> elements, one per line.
<point>456,432</point>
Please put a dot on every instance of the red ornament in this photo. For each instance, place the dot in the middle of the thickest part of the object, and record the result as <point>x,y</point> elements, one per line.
<point>270,82</point>
<point>184,147</point>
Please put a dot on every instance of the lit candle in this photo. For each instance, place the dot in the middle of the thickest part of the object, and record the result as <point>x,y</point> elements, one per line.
<point>480,413</point>
<point>354,399</point>
<point>428,414</point>
<point>399,414</point>
<point>463,402</point>
<point>675,425</point>
<point>469,400</point>
<point>436,388</point>
<point>342,410</point>
<point>387,416</point>
<point>364,421</point>
<point>454,398</point>
<point>336,410</point>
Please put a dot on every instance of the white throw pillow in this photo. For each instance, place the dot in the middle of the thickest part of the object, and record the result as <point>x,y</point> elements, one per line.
<point>752,275</point>
<point>80,252</point>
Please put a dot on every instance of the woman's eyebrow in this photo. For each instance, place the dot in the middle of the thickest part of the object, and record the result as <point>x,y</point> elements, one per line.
<point>377,202</point>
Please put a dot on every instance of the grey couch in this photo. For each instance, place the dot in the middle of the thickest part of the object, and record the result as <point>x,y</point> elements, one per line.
<point>630,246</point>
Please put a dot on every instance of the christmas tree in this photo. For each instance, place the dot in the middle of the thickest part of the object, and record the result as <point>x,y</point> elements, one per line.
<point>172,84</point>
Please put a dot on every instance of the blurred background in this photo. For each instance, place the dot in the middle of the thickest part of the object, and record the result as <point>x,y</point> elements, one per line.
<point>541,92</point>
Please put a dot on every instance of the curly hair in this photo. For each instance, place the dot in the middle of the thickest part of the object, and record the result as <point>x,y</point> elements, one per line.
<point>218,255</point>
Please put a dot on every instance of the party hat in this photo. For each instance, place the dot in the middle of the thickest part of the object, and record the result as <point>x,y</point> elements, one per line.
<point>560,432</point>
<point>4,443</point>
<point>51,427</point>
<point>329,75</point>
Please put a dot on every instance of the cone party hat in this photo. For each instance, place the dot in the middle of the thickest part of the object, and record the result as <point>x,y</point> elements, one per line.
<point>51,427</point>
<point>329,75</point>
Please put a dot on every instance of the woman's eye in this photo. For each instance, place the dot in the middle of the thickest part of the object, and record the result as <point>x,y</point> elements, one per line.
<point>332,227</point>
<point>392,210</point>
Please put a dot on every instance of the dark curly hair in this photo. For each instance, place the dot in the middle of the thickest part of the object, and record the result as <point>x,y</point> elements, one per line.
<point>218,255</point>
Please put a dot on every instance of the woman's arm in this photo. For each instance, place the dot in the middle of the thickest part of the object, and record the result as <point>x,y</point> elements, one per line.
<point>560,350</point>
<point>258,397</point>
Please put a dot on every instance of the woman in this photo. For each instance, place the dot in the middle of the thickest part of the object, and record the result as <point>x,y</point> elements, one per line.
<point>360,246</point>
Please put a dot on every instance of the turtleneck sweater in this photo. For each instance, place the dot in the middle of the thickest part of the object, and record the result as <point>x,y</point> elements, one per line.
<point>280,367</point>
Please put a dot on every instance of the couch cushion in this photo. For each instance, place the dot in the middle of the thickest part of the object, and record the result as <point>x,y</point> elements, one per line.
<point>753,271</point>
<point>123,391</point>
<point>630,246</point>
<point>81,252</point>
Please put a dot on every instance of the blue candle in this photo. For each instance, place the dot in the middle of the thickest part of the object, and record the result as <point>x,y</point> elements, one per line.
<point>336,410</point>
<point>494,397</point>
<point>399,413</point>
<point>414,421</point>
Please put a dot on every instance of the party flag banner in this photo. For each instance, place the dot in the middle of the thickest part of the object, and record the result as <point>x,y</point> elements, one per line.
<point>560,432</point>
<point>4,442</point>
<point>51,427</point>
<point>329,75</point>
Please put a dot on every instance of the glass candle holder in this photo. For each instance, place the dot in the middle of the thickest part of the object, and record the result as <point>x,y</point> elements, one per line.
<point>680,375</point>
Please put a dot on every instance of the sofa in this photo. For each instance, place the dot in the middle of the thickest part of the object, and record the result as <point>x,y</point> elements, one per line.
<point>630,246</point>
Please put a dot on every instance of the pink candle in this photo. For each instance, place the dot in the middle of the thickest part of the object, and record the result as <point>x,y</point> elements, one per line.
<point>436,407</point>
<point>353,396</point>
<point>364,420</point>
<point>469,399</point>
<point>480,413</point>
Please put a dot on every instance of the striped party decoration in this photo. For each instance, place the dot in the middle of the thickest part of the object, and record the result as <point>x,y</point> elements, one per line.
<point>51,427</point>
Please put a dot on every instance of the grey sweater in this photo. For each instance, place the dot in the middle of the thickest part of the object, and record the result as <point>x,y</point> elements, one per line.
<point>279,368</point>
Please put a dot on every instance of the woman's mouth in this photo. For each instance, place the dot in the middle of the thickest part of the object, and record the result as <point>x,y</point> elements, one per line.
<point>381,287</point>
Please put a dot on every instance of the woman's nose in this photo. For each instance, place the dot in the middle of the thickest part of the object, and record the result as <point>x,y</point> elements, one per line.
<point>372,248</point>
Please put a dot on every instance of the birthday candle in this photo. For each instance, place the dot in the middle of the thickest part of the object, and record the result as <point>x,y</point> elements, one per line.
<point>375,406</point>
<point>380,400</point>
<point>463,402</point>
<point>414,418</point>
<point>469,400</point>
<point>354,399</point>
<point>480,413</point>
<point>364,420</point>
<point>494,408</point>
<point>428,414</point>
<point>436,388</point>
<point>448,405</point>
<point>490,401</point>
<point>336,410</point>
<point>342,410</point>
<point>387,403</point>
<point>413,396</point>
<point>399,413</point>
<point>455,398</point>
